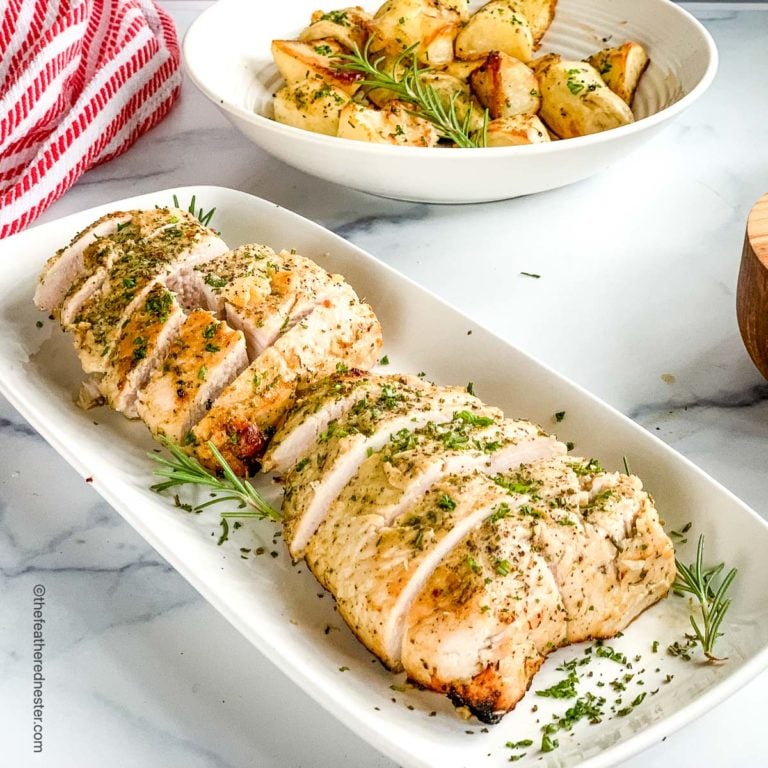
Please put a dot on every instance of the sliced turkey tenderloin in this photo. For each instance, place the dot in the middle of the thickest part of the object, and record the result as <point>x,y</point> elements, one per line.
<point>129,275</point>
<point>69,263</point>
<point>316,482</point>
<point>201,361</point>
<point>336,333</point>
<point>140,347</point>
<point>329,400</point>
<point>375,572</point>
<point>486,618</point>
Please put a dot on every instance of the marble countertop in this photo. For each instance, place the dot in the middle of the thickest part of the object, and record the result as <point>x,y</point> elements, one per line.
<point>640,310</point>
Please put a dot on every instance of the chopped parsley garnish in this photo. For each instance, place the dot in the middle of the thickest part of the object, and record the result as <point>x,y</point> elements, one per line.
<point>590,467</point>
<point>682,650</point>
<point>499,513</point>
<point>446,502</point>
<point>403,440</point>
<point>215,281</point>
<point>635,702</point>
<point>139,348</point>
<point>606,652</point>
<point>565,689</point>
<point>472,419</point>
<point>159,306</point>
<point>515,486</point>
<point>473,565</point>
<point>337,17</point>
<point>519,744</point>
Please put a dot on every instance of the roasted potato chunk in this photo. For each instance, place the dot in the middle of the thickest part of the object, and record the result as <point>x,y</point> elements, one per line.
<point>539,14</point>
<point>460,6</point>
<point>430,25</point>
<point>311,104</point>
<point>621,68</point>
<point>575,101</point>
<point>297,61</point>
<point>447,88</point>
<point>506,86</point>
<point>347,26</point>
<point>463,69</point>
<point>394,124</point>
<point>520,129</point>
<point>452,90</point>
<point>393,66</point>
<point>497,26</point>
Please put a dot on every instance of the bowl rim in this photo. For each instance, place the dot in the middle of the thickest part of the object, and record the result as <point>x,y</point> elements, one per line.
<point>434,154</point>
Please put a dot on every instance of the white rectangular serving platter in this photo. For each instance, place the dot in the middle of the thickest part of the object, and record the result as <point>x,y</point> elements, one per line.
<point>282,610</point>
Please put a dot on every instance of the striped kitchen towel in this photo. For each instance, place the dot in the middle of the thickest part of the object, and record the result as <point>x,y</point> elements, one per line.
<point>80,81</point>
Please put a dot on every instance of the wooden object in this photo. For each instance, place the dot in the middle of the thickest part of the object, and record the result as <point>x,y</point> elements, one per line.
<point>752,291</point>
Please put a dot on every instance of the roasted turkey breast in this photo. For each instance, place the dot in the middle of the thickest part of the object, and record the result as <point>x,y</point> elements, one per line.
<point>460,545</point>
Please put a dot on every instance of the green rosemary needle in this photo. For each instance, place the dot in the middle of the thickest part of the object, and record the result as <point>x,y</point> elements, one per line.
<point>698,581</point>
<point>204,216</point>
<point>182,469</point>
<point>406,82</point>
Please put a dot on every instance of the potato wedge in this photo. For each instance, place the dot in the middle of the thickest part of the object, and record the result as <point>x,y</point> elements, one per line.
<point>311,104</point>
<point>575,101</point>
<point>297,61</point>
<point>392,125</point>
<point>512,131</point>
<point>348,26</point>
<point>539,14</point>
<point>431,25</point>
<point>621,68</point>
<point>506,86</point>
<point>497,26</point>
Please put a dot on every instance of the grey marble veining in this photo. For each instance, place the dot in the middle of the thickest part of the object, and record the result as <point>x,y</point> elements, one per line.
<point>635,302</point>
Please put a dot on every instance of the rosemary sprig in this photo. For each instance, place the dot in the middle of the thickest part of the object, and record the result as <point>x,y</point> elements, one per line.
<point>182,469</point>
<point>406,83</point>
<point>699,582</point>
<point>204,216</point>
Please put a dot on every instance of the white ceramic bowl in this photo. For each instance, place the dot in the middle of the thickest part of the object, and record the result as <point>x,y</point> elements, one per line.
<point>227,55</point>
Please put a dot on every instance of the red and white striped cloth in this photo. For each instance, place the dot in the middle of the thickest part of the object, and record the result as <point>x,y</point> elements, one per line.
<point>80,81</point>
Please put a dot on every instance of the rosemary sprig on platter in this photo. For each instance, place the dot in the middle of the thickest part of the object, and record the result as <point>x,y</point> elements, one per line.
<point>203,216</point>
<point>182,469</point>
<point>405,81</point>
<point>701,582</point>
